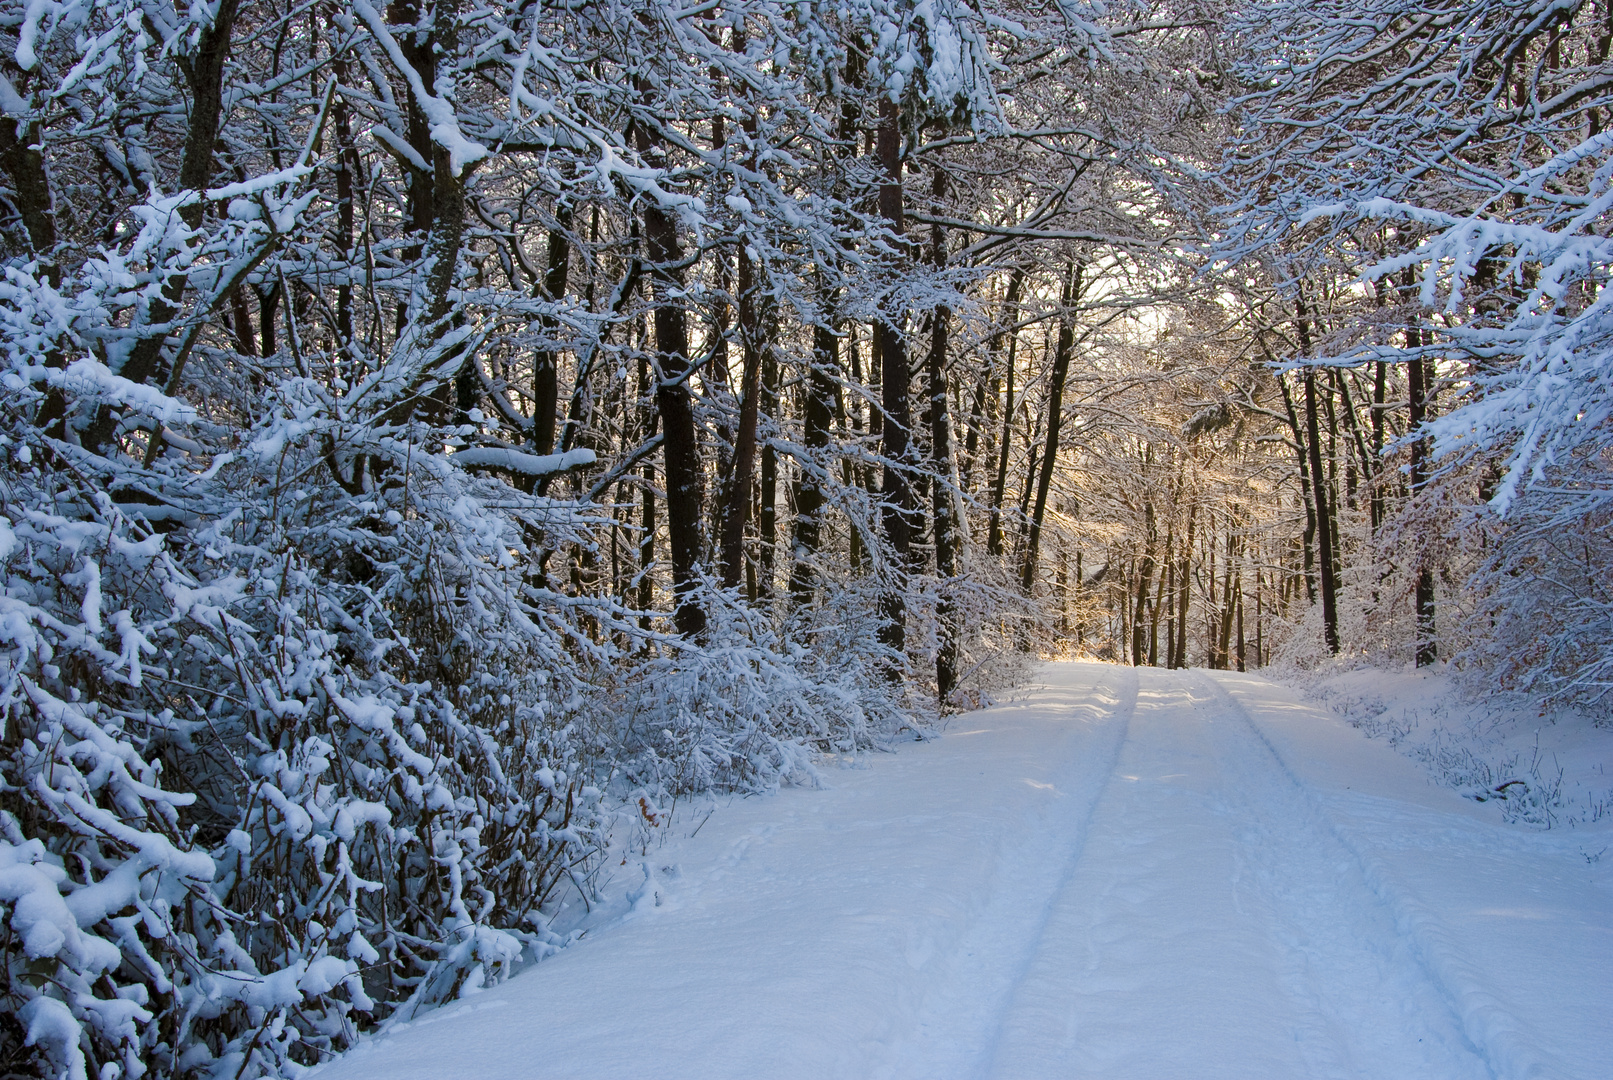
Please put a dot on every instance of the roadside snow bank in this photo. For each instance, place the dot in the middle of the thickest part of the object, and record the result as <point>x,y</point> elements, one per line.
<point>1547,768</point>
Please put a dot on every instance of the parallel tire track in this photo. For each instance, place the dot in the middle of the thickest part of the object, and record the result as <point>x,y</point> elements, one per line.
<point>990,959</point>
<point>1355,954</point>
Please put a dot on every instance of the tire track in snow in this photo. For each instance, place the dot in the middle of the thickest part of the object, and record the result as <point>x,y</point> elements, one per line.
<point>1358,966</point>
<point>1148,968</point>
<point>959,1018</point>
<point>1487,1024</point>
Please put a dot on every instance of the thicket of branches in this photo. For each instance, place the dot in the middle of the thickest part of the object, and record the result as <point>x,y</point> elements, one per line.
<point>439,436</point>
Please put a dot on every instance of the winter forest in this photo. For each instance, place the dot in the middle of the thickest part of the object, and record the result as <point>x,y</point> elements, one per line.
<point>440,435</point>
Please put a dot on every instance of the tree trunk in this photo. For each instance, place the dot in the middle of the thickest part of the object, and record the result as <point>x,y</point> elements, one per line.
<point>1184,585</point>
<point>1308,537</point>
<point>897,512</point>
<point>1380,379</point>
<point>943,496</point>
<point>767,516</point>
<point>994,529</point>
<point>737,491</point>
<point>809,499</point>
<point>988,375</point>
<point>646,542</point>
<point>680,449</point>
<point>204,74</point>
<point>1324,531</point>
<point>1427,650</point>
<point>545,364</point>
<point>1055,402</point>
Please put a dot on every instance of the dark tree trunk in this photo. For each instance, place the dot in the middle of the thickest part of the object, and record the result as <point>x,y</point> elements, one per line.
<point>1324,531</point>
<point>987,382</point>
<point>737,491</point>
<point>1417,394</point>
<point>646,542</point>
<point>1306,494</point>
<point>204,75</point>
<point>1184,587</point>
<point>809,499</point>
<point>853,471</point>
<point>943,501</point>
<point>347,176</point>
<point>897,512</point>
<point>767,513</point>
<point>994,529</point>
<point>680,448</point>
<point>1380,389</point>
<point>546,363</point>
<point>1160,601</point>
<point>1055,403</point>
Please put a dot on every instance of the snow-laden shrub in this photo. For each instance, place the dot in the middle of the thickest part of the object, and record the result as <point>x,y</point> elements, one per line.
<point>1545,593</point>
<point>753,703</point>
<point>274,759</point>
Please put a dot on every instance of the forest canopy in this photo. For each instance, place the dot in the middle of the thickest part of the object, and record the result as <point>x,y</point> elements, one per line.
<point>439,436</point>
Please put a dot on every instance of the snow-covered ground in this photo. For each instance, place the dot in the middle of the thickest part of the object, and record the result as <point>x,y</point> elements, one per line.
<point>1122,873</point>
<point>1550,768</point>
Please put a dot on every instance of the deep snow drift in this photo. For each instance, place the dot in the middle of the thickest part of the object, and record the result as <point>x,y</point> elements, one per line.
<point>1124,873</point>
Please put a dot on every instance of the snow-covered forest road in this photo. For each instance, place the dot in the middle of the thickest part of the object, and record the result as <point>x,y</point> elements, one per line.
<point>1122,873</point>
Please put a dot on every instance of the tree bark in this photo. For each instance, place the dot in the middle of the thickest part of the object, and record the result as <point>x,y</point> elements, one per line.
<point>1427,649</point>
<point>1307,497</point>
<point>994,528</point>
<point>943,501</point>
<point>546,363</point>
<point>897,511</point>
<point>204,74</point>
<point>738,491</point>
<point>1184,586</point>
<point>1324,531</point>
<point>809,498</point>
<point>680,449</point>
<point>1055,403</point>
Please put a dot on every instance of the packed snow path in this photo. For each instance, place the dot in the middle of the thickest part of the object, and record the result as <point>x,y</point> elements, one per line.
<point>1140,874</point>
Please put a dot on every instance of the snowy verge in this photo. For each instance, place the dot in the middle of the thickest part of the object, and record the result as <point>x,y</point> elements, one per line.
<point>1549,768</point>
<point>1511,924</point>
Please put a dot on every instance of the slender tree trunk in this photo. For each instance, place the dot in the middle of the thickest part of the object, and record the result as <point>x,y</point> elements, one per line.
<point>943,497</point>
<point>809,499</point>
<point>897,513</point>
<point>1327,529</point>
<point>767,515</point>
<point>1161,600</point>
<point>1080,589</point>
<point>1242,650</point>
<point>646,542</point>
<point>1427,650</point>
<point>1307,495</point>
<point>988,376</point>
<point>738,490</point>
<point>1055,404</point>
<point>1026,491</point>
<point>1184,586</point>
<point>1324,531</point>
<point>853,470</point>
<point>545,363</point>
<point>1380,380</point>
<point>680,448</point>
<point>203,68</point>
<point>1169,604</point>
<point>994,529</point>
